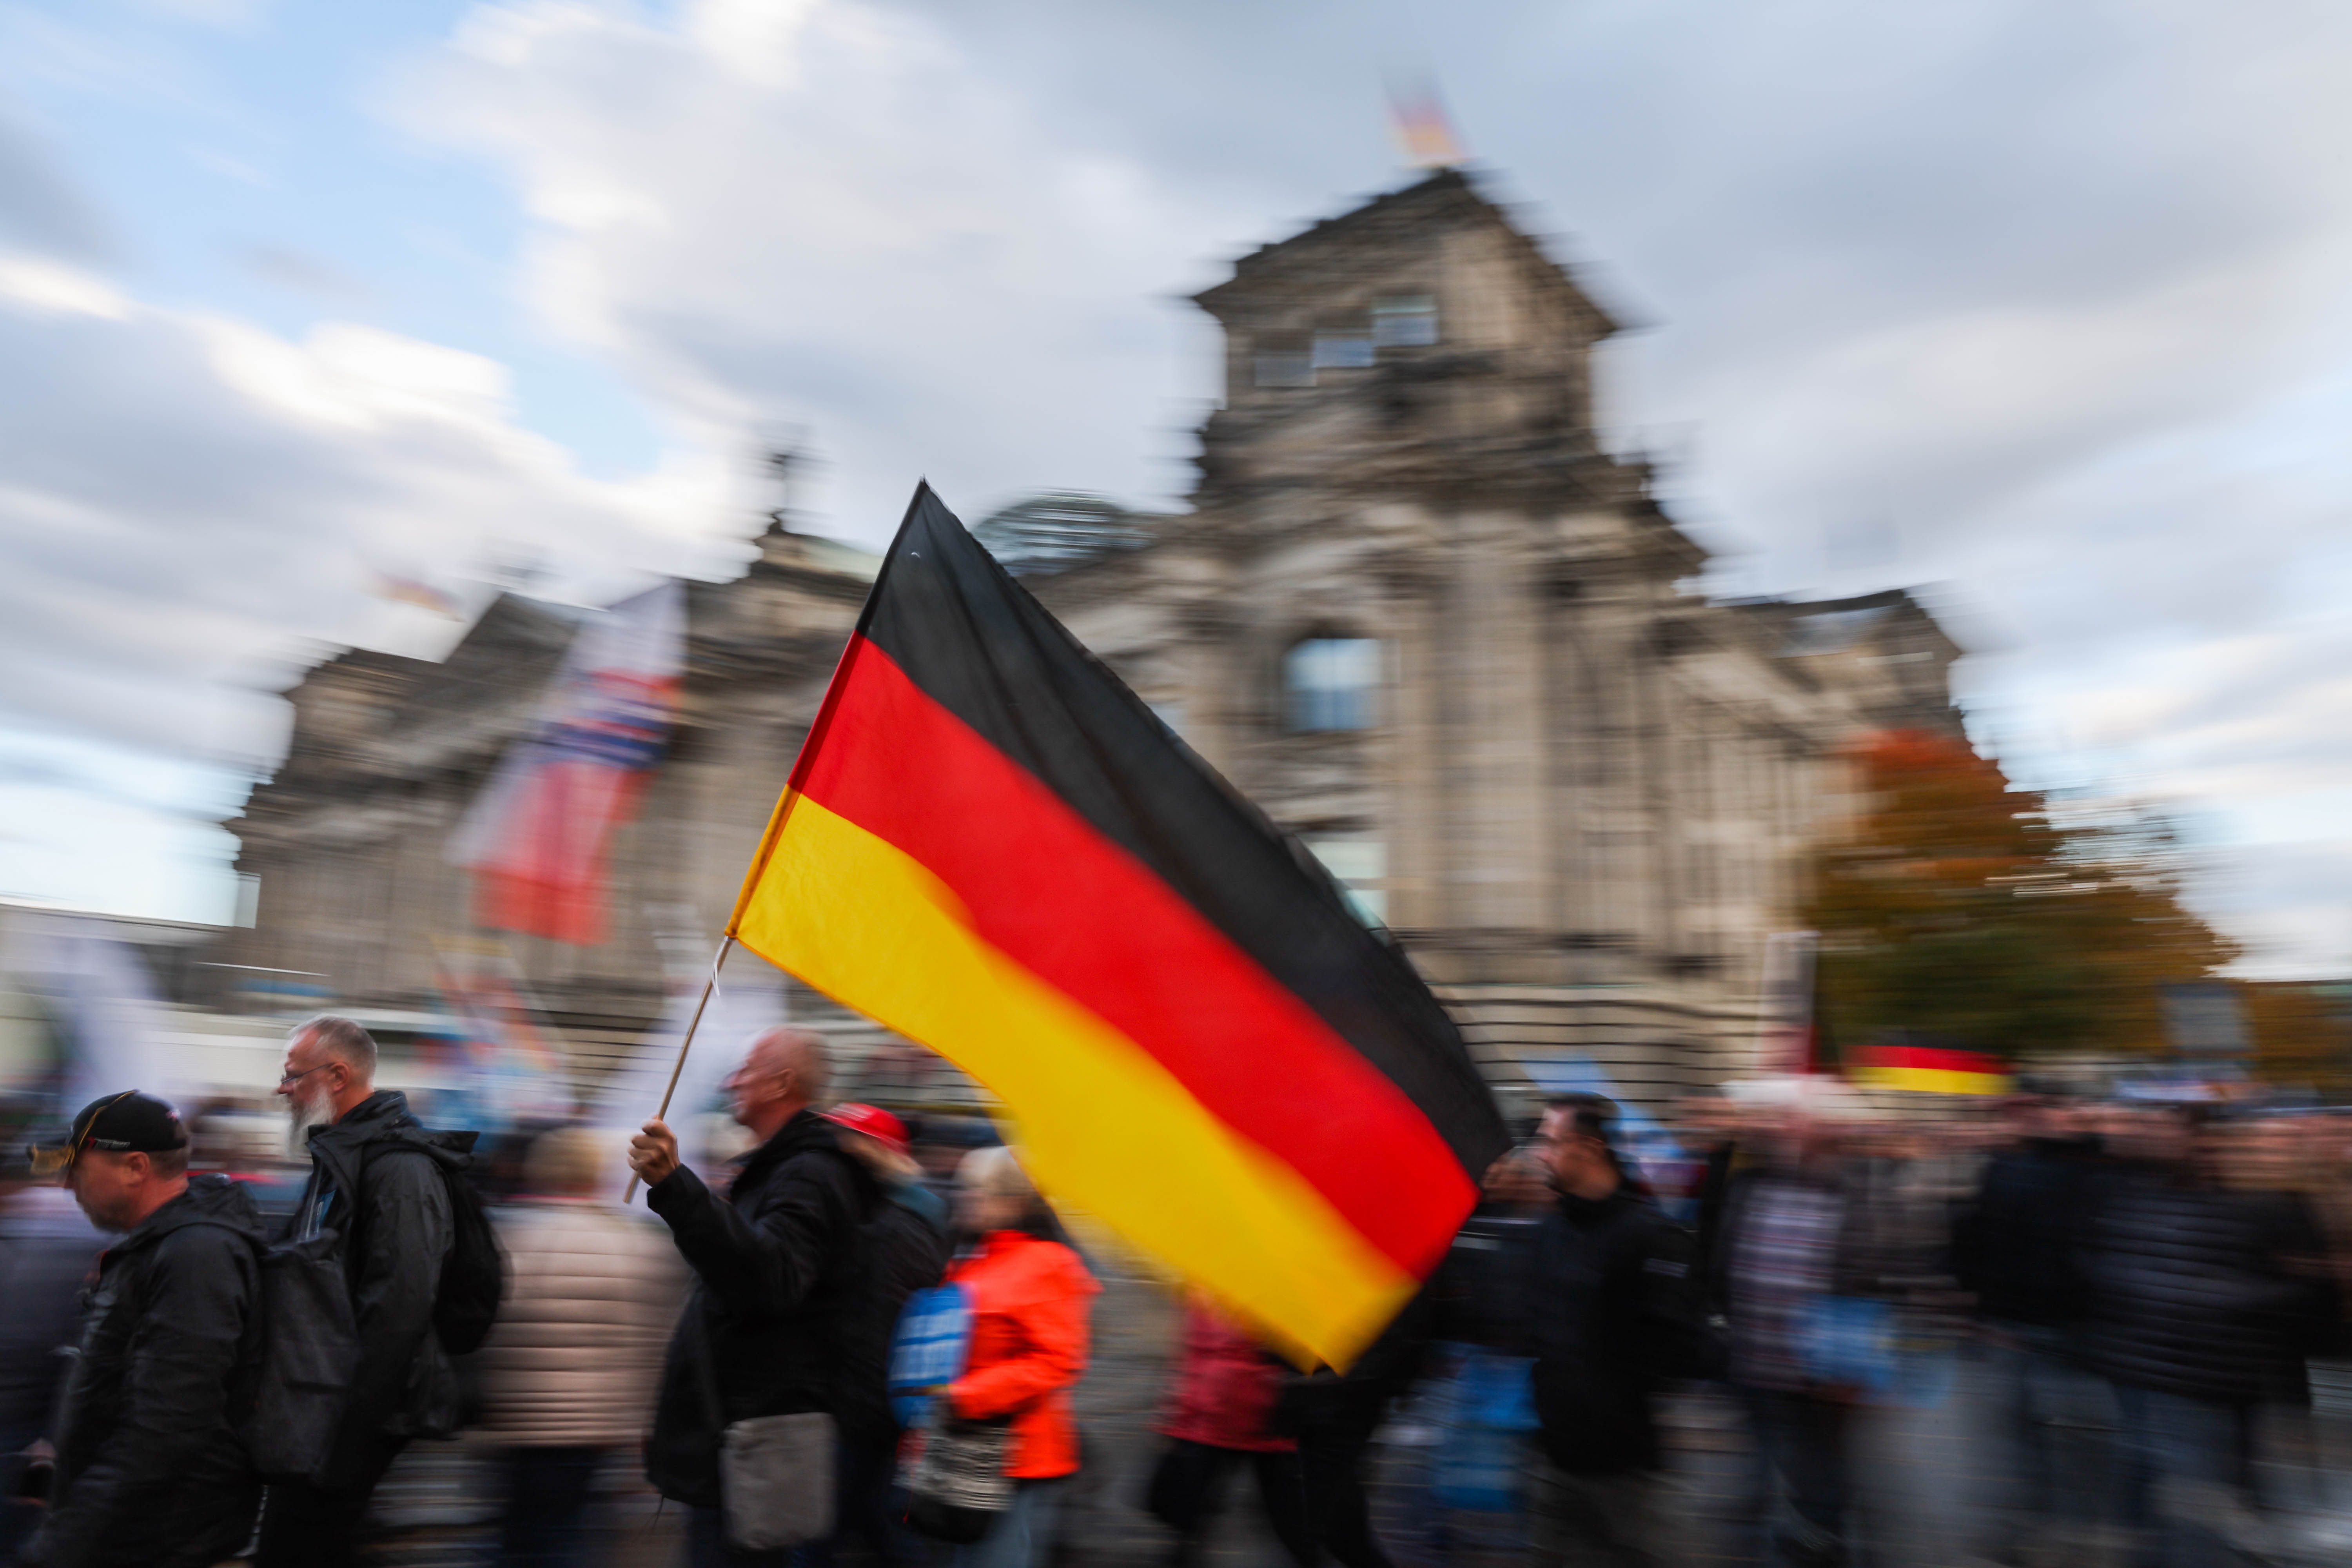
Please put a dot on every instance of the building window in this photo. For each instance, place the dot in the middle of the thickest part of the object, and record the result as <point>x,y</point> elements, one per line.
<point>1343,350</point>
<point>1405,322</point>
<point>1327,684</point>
<point>1360,867</point>
<point>1286,367</point>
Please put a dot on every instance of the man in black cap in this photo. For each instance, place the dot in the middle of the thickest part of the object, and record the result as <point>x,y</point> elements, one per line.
<point>377,1182</point>
<point>149,1467</point>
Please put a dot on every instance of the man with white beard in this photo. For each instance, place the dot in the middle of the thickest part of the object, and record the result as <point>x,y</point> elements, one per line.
<point>377,1182</point>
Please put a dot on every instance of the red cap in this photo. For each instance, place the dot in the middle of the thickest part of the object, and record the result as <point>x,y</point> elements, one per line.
<point>872,1120</point>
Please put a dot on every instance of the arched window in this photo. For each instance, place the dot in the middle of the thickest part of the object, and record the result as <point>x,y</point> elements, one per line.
<point>1327,684</point>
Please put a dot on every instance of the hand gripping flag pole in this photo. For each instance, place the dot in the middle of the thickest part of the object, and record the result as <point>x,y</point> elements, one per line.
<point>709,984</point>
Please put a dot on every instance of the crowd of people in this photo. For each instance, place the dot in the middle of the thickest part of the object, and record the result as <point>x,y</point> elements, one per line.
<point>2143,1291</point>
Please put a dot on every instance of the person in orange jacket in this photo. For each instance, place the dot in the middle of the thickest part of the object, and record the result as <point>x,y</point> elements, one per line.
<point>1031,1301</point>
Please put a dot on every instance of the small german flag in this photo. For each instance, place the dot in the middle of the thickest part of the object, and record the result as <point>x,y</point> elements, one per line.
<point>1932,1069</point>
<point>991,845</point>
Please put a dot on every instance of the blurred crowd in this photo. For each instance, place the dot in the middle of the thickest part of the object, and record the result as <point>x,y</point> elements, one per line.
<point>858,1341</point>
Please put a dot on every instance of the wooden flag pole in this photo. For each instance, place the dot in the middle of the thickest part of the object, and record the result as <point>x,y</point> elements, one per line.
<point>684,1045</point>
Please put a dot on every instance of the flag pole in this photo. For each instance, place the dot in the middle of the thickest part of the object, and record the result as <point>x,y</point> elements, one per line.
<point>709,984</point>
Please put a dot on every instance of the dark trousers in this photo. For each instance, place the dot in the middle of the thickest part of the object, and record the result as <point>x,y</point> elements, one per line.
<point>862,1473</point>
<point>1188,1487</point>
<point>549,1492</point>
<point>19,1516</point>
<point>2186,1470</point>
<point>1331,1466</point>
<point>303,1525</point>
<point>1592,1520</point>
<point>2051,1424</point>
<point>1804,1441</point>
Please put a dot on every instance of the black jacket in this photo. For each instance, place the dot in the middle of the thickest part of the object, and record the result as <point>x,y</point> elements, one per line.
<point>779,1267</point>
<point>905,1251</point>
<point>377,1179</point>
<point>150,1473</point>
<point>1613,1312</point>
<point>2018,1246</point>
<point>2198,1291</point>
<point>1481,1297</point>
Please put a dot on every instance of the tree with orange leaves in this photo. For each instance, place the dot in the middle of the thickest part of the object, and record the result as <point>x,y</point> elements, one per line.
<point>1959,909</point>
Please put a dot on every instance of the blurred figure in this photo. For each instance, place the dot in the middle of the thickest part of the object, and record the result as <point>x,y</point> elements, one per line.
<point>2017,1247</point>
<point>779,1269</point>
<point>1479,1294</point>
<point>1334,1417</point>
<point>1030,1300</point>
<point>48,1249</point>
<point>150,1470</point>
<point>1615,1312</point>
<point>378,1182</point>
<point>2203,1303</point>
<point>905,1251</point>
<point>1483,1361</point>
<point>1811,1258</point>
<point>1219,1419</point>
<point>567,1373</point>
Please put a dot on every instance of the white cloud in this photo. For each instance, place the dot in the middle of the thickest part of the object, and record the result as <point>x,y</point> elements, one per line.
<point>31,283</point>
<point>819,214</point>
<point>192,503</point>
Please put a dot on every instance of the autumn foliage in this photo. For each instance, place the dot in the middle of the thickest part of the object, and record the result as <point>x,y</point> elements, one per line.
<point>1958,909</point>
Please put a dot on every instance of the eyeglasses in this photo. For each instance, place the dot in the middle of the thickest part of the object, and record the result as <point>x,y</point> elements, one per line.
<point>47,1163</point>
<point>285,1078</point>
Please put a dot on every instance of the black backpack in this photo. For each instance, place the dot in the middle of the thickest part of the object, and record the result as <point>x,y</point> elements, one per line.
<point>473,1276</point>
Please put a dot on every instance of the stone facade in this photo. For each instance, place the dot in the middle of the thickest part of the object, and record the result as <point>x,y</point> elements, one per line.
<point>348,841</point>
<point>1417,615</point>
<point>1580,796</point>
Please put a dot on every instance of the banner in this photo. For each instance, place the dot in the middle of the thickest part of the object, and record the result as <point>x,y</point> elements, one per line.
<point>536,838</point>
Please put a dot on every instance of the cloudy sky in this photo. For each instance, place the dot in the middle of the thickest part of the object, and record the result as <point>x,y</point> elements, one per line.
<point>2040,303</point>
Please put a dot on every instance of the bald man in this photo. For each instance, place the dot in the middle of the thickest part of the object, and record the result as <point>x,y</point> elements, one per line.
<point>779,1267</point>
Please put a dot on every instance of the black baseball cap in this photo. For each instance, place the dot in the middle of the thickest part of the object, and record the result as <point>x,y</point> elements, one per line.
<point>120,1125</point>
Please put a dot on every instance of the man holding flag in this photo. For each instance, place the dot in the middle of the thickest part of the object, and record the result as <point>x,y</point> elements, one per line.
<point>778,1270</point>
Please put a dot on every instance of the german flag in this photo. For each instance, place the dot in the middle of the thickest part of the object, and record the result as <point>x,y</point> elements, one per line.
<point>1932,1069</point>
<point>991,845</point>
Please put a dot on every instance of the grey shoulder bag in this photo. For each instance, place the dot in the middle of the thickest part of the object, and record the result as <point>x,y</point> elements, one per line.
<point>775,1472</point>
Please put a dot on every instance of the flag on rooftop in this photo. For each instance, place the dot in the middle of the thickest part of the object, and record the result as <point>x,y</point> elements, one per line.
<point>1424,130</point>
<point>538,835</point>
<point>990,845</point>
<point>415,591</point>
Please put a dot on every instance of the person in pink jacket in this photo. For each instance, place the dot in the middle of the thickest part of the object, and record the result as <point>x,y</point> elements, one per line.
<point>1218,1416</point>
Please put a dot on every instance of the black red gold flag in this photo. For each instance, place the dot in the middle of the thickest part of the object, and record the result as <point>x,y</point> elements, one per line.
<point>991,845</point>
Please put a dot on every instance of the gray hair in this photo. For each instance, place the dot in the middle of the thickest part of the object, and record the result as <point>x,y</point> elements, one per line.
<point>807,1055</point>
<point>996,1170</point>
<point>343,1040</point>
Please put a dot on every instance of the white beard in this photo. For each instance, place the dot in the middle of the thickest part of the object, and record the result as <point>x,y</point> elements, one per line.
<point>303,1113</point>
